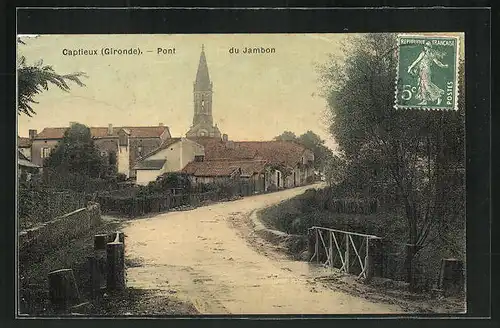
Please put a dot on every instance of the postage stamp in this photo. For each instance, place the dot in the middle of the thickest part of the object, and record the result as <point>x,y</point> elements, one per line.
<point>427,72</point>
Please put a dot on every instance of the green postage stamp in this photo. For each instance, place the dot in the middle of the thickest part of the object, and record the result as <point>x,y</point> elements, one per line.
<point>427,72</point>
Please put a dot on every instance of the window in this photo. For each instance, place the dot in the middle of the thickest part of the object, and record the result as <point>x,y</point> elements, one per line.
<point>199,158</point>
<point>139,150</point>
<point>104,153</point>
<point>45,152</point>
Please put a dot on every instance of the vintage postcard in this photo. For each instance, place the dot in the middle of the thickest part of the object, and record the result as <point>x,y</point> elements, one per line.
<point>240,174</point>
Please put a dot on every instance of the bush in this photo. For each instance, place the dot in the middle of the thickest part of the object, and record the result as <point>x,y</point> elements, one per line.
<point>120,177</point>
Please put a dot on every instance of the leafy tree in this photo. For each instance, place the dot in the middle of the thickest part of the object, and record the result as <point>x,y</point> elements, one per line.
<point>167,181</point>
<point>77,153</point>
<point>311,141</point>
<point>322,154</point>
<point>286,136</point>
<point>34,79</point>
<point>418,154</point>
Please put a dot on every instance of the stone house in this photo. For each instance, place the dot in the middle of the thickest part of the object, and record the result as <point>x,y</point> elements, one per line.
<point>251,171</point>
<point>126,143</point>
<point>288,164</point>
<point>212,172</point>
<point>24,146</point>
<point>25,167</point>
<point>171,156</point>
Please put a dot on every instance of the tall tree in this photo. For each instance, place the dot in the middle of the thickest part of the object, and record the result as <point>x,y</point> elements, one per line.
<point>76,153</point>
<point>322,154</point>
<point>34,79</point>
<point>286,136</point>
<point>312,141</point>
<point>419,154</point>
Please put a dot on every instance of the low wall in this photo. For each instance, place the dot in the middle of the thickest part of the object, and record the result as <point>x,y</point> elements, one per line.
<point>295,244</point>
<point>61,229</point>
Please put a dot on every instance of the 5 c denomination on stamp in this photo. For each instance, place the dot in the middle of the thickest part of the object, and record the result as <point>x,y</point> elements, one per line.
<point>427,72</point>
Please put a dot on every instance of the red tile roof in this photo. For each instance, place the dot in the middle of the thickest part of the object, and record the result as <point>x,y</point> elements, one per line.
<point>23,142</point>
<point>274,152</point>
<point>210,169</point>
<point>102,132</point>
<point>224,168</point>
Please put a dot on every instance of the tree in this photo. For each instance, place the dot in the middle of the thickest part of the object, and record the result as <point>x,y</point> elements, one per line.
<point>76,153</point>
<point>286,136</point>
<point>311,141</point>
<point>419,154</point>
<point>322,154</point>
<point>34,79</point>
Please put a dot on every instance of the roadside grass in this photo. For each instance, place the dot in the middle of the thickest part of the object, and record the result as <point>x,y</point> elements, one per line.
<point>296,215</point>
<point>33,282</point>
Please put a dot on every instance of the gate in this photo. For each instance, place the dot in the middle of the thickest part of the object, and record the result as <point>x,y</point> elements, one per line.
<point>351,252</point>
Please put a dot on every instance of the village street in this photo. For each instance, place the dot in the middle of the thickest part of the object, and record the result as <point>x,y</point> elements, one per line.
<point>210,257</point>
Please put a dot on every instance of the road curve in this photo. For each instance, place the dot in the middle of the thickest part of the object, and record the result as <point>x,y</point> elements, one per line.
<point>201,257</point>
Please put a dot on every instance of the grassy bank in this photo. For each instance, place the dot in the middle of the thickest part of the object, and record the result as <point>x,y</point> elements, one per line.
<point>296,215</point>
<point>33,283</point>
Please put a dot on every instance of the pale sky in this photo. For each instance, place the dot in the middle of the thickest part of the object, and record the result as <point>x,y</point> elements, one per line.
<point>256,97</point>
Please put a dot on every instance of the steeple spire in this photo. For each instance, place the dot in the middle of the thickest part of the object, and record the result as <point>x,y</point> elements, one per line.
<point>202,82</point>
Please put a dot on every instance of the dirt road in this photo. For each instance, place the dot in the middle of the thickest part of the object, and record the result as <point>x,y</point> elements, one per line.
<point>203,256</point>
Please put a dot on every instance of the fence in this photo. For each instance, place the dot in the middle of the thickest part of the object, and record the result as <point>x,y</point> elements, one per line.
<point>351,252</point>
<point>37,206</point>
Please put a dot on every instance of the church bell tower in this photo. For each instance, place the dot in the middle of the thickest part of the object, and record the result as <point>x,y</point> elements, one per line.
<point>202,95</point>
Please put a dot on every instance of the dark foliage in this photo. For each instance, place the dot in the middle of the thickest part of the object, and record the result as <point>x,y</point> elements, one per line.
<point>34,79</point>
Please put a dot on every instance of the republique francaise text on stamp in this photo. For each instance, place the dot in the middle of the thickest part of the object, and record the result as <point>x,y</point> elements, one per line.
<point>427,72</point>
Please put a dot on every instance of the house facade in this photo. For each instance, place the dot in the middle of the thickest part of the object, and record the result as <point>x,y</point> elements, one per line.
<point>288,164</point>
<point>25,168</point>
<point>171,156</point>
<point>252,172</point>
<point>126,143</point>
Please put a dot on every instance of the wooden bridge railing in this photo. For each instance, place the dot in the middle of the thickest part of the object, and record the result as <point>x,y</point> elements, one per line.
<point>351,252</point>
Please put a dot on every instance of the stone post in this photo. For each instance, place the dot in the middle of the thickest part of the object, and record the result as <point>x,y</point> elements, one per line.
<point>115,266</point>
<point>100,242</point>
<point>374,259</point>
<point>63,290</point>
<point>451,278</point>
<point>311,243</point>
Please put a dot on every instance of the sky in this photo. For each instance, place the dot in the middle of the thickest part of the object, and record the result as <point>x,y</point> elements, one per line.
<point>256,96</point>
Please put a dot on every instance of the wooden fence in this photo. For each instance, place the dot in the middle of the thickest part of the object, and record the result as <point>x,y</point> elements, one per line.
<point>136,205</point>
<point>351,252</point>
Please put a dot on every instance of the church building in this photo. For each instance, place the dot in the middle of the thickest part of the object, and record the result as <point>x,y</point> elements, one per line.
<point>203,125</point>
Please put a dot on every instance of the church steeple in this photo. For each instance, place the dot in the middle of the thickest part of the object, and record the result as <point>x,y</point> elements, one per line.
<point>202,82</point>
<point>202,94</point>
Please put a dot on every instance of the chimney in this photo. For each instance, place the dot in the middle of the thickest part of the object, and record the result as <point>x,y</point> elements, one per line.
<point>224,137</point>
<point>32,134</point>
<point>110,129</point>
<point>160,124</point>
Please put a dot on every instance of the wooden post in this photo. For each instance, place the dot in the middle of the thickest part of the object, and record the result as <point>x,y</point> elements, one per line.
<point>374,260</point>
<point>451,277</point>
<point>311,245</point>
<point>116,267</point>
<point>95,280</point>
<point>411,250</point>
<point>346,269</point>
<point>331,248</point>
<point>63,290</point>
<point>100,241</point>
<point>317,246</point>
